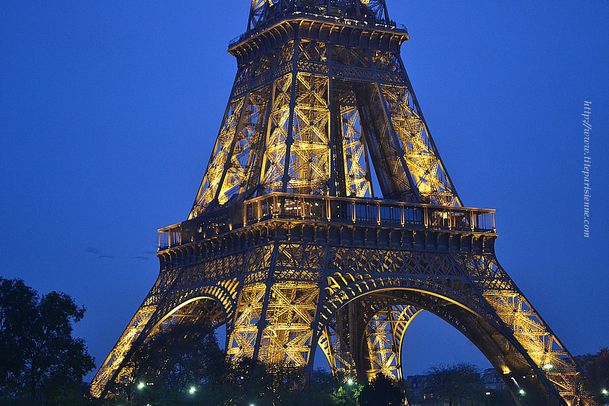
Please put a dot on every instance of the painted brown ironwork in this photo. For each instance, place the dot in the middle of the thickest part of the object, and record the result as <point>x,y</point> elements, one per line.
<point>327,220</point>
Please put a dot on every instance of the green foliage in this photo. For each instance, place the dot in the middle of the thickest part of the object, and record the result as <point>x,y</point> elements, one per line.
<point>40,361</point>
<point>345,391</point>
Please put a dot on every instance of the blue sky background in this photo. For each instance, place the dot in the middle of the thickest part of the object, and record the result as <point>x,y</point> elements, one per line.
<point>109,109</point>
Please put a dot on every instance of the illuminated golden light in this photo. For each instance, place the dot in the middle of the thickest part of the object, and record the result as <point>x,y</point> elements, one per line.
<point>385,335</point>
<point>278,141</point>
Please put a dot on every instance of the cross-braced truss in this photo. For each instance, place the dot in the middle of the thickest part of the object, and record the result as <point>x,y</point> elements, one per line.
<point>541,344</point>
<point>287,338</point>
<point>423,161</point>
<point>244,155</point>
<point>308,168</point>
<point>357,170</point>
<point>272,174</point>
<point>384,336</point>
<point>221,155</point>
<point>336,352</point>
<point>248,315</point>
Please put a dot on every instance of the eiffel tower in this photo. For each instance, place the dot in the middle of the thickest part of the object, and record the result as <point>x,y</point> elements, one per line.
<point>326,220</point>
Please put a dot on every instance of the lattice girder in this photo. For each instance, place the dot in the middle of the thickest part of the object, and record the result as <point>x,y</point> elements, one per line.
<point>220,156</point>
<point>356,166</point>
<point>277,133</point>
<point>249,312</point>
<point>528,327</point>
<point>336,352</point>
<point>274,158</point>
<point>422,159</point>
<point>308,169</point>
<point>286,339</point>
<point>245,157</point>
<point>385,332</point>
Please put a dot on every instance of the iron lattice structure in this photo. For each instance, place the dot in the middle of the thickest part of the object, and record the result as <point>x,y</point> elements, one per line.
<point>290,246</point>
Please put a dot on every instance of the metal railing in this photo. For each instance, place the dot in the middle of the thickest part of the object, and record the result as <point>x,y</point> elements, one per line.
<point>314,13</point>
<point>357,211</point>
<point>367,211</point>
<point>170,236</point>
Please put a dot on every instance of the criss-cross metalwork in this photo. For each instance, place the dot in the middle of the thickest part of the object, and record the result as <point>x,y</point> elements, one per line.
<point>327,220</point>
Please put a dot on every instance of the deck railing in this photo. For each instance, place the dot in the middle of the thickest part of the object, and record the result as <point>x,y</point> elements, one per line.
<point>357,211</point>
<point>315,13</point>
<point>367,211</point>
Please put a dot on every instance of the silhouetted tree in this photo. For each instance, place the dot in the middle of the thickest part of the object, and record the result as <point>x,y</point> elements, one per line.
<point>186,356</point>
<point>174,366</point>
<point>456,384</point>
<point>40,361</point>
<point>596,369</point>
<point>382,391</point>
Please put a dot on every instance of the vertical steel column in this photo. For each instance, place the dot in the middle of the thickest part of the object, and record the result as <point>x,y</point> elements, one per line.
<point>290,136</point>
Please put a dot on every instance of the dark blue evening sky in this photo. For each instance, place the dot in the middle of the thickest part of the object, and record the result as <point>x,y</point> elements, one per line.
<point>109,109</point>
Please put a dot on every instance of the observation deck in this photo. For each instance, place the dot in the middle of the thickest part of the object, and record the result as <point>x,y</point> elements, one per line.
<point>313,209</point>
<point>314,15</point>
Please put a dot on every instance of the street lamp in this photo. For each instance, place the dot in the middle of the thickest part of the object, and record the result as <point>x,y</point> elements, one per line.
<point>521,392</point>
<point>141,385</point>
<point>192,390</point>
<point>605,392</point>
<point>350,382</point>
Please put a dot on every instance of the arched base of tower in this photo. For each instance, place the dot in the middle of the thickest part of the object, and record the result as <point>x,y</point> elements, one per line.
<point>287,286</point>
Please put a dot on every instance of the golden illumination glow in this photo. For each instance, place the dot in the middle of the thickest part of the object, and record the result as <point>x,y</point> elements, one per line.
<point>285,238</point>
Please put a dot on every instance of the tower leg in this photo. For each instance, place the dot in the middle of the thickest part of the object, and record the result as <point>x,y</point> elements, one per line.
<point>384,336</point>
<point>275,317</point>
<point>357,327</point>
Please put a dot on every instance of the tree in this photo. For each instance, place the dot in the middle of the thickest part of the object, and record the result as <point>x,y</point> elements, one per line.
<point>382,391</point>
<point>345,396</point>
<point>173,366</point>
<point>596,370</point>
<point>40,361</point>
<point>456,384</point>
<point>184,365</point>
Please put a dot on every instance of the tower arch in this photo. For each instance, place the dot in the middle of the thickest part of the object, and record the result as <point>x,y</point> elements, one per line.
<point>485,332</point>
